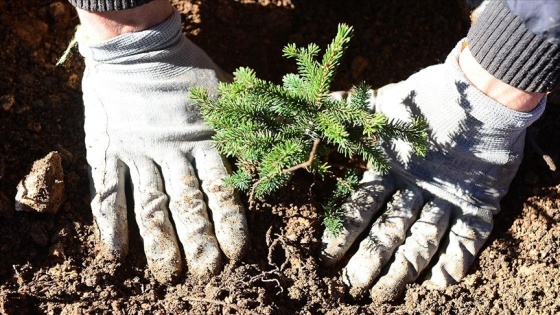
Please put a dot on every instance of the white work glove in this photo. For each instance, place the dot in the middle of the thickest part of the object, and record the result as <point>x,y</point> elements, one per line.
<point>442,206</point>
<point>139,122</point>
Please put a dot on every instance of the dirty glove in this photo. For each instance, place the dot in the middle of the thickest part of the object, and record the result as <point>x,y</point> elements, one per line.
<point>439,208</point>
<point>139,123</point>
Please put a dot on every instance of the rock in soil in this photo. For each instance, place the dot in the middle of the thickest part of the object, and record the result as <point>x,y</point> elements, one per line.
<point>42,190</point>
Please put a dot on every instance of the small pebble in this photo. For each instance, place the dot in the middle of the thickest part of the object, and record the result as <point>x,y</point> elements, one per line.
<point>7,102</point>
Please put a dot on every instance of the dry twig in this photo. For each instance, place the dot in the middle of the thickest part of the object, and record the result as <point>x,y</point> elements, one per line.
<point>548,160</point>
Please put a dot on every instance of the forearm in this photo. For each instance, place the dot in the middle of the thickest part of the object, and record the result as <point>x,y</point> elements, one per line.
<point>503,93</point>
<point>108,24</point>
<point>513,54</point>
<point>507,43</point>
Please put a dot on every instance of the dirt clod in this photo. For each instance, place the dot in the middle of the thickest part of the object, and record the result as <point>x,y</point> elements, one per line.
<point>42,190</point>
<point>7,102</point>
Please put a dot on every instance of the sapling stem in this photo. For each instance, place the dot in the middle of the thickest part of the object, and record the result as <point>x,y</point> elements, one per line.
<point>308,163</point>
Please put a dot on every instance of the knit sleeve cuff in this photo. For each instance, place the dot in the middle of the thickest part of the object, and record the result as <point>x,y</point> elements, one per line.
<point>507,49</point>
<point>107,5</point>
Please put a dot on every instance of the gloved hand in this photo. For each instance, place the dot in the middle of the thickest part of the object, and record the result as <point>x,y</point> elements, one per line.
<point>139,121</point>
<point>442,206</point>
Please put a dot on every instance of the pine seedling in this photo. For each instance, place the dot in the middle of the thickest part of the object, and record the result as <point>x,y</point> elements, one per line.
<point>273,130</point>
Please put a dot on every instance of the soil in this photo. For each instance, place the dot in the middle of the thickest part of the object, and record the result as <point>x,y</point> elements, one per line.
<point>48,262</point>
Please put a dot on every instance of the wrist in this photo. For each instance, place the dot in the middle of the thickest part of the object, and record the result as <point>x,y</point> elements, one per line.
<point>505,94</point>
<point>105,25</point>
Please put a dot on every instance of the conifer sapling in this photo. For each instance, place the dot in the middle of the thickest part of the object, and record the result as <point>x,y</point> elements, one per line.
<point>272,130</point>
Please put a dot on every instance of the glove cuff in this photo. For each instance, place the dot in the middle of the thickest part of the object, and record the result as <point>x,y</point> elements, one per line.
<point>506,48</point>
<point>159,52</point>
<point>107,5</point>
<point>123,48</point>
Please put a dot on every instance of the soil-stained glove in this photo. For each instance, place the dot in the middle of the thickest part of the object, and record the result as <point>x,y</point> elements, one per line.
<point>139,121</point>
<point>442,205</point>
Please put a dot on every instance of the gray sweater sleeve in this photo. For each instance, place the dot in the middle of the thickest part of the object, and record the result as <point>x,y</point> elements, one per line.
<point>107,5</point>
<point>542,17</point>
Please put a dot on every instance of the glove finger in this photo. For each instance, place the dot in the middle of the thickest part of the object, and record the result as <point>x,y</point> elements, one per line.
<point>191,218</point>
<point>415,254</point>
<point>467,235</point>
<point>108,206</point>
<point>358,212</point>
<point>227,211</point>
<point>386,234</point>
<point>150,208</point>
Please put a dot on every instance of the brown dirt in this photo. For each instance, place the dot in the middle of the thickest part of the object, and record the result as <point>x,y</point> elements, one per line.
<point>48,263</point>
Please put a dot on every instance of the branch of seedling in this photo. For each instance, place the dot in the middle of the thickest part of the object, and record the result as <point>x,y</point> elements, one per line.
<point>308,162</point>
<point>288,170</point>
